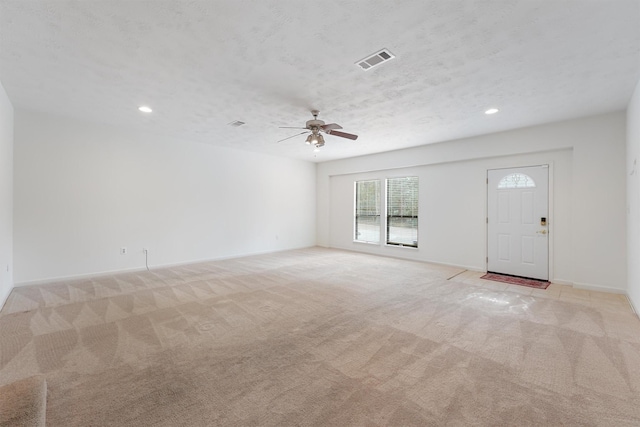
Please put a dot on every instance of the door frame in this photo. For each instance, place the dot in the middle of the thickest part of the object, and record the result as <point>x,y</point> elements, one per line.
<point>551,222</point>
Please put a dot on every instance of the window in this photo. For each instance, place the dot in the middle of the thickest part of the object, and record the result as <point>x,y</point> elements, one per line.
<point>402,211</point>
<point>368,211</point>
<point>516,180</point>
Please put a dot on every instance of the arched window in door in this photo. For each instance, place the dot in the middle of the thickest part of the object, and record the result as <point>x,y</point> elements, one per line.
<point>516,180</point>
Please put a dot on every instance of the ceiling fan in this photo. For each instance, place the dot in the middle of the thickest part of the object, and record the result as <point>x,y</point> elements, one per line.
<point>316,126</point>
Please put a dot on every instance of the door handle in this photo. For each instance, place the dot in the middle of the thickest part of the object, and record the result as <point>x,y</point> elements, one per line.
<point>542,232</point>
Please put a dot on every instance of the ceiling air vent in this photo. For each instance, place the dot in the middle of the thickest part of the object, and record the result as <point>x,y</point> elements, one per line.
<point>236,123</point>
<point>376,59</point>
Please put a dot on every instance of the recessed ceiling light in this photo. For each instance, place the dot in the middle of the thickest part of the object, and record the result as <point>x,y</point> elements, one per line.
<point>145,109</point>
<point>491,111</point>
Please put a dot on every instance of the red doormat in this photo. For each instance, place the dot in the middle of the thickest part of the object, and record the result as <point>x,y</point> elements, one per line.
<point>515,280</point>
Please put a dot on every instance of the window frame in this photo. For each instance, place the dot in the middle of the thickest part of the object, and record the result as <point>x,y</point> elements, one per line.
<point>387,216</point>
<point>379,208</point>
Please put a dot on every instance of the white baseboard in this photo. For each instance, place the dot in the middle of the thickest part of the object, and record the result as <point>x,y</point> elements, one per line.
<point>561,282</point>
<point>138,269</point>
<point>598,288</point>
<point>395,255</point>
<point>4,295</point>
<point>77,276</point>
<point>633,307</point>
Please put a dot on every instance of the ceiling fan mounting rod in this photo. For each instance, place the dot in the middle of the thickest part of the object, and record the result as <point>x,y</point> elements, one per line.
<point>315,123</point>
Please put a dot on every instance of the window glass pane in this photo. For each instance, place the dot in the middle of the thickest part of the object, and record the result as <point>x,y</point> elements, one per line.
<point>367,225</point>
<point>516,180</point>
<point>402,211</point>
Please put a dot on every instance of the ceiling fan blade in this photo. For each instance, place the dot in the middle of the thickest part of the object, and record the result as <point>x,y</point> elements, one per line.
<point>293,136</point>
<point>330,126</point>
<point>343,134</point>
<point>292,127</point>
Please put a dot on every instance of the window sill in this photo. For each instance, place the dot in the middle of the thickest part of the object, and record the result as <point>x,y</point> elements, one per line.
<point>401,246</point>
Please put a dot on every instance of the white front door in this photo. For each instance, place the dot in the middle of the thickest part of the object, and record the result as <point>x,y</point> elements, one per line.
<point>518,221</point>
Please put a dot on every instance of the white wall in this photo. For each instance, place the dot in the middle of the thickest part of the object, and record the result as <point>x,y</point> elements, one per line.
<point>83,190</point>
<point>6,196</point>
<point>588,197</point>
<point>633,198</point>
<point>453,209</point>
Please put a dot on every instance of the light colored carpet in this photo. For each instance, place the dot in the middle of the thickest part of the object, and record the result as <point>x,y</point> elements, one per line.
<point>23,403</point>
<point>317,337</point>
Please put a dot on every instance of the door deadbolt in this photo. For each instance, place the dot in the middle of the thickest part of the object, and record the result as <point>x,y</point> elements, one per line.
<point>543,221</point>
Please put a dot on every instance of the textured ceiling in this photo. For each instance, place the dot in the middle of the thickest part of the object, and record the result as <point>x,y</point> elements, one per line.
<point>203,64</point>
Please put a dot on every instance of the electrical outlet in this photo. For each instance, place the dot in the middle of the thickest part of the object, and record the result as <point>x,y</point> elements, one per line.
<point>123,250</point>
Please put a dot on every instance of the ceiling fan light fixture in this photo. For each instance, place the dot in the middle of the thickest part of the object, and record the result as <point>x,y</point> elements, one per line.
<point>314,128</point>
